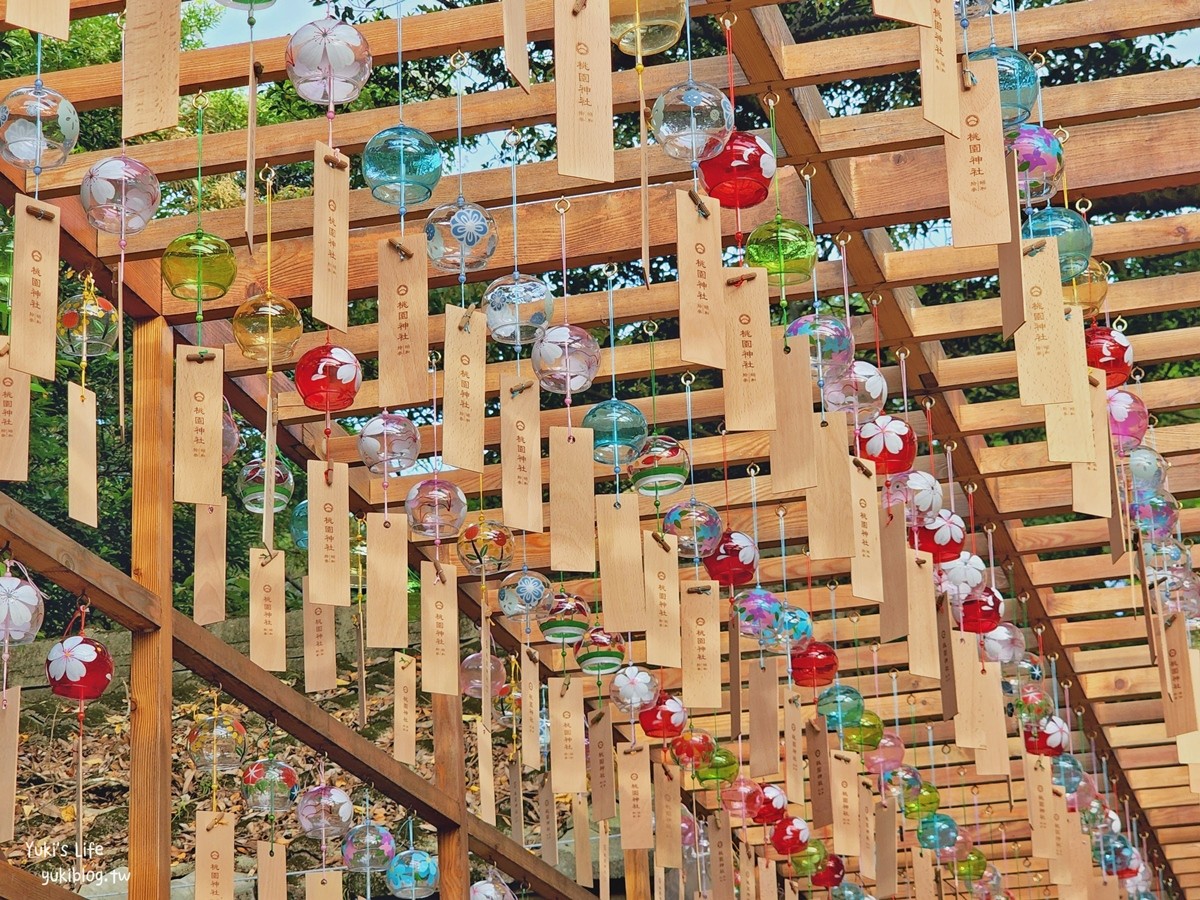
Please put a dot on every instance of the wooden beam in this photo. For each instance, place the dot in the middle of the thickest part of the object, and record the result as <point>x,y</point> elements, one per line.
<point>16,882</point>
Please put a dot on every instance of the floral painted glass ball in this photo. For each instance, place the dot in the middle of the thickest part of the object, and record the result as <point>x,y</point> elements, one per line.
<point>886,755</point>
<point>785,248</point>
<point>981,610</point>
<point>22,609</point>
<point>462,236</point>
<point>865,734</point>
<point>774,807</point>
<point>792,629</point>
<point>811,859</point>
<point>119,195</point>
<point>942,534</point>
<point>88,324</point>
<point>485,547</point>
<point>963,573</point>
<point>1128,420</point>
<point>697,525</point>
<point>198,266</point>
<point>328,378</point>
<point>1004,644</point>
<point>436,508</point>
<point>957,851</point>
<point>848,890</point>
<point>815,665</point>
<point>924,802</point>
<point>328,61</point>
<point>660,468</point>
<point>470,675</point>
<point>525,593</point>
<point>491,888</point>
<point>566,618</point>
<point>735,560</point>
<point>692,749</point>
<point>692,121</point>
<point>389,444</point>
<point>1048,736</point>
<point>830,345</point>
<point>647,27</point>
<point>251,486</point>
<point>1115,855</point>
<point>756,610</point>
<point>1019,84</point>
<point>600,652</point>
<point>937,832</point>
<point>742,797</point>
<point>970,867</point>
<point>1109,350</point>
<point>831,874</point>
<point>1074,236</point>
<point>217,741</point>
<point>1039,161</point>
<point>861,390</point>
<point>565,359</point>
<point>38,128</point>
<point>633,689</point>
<point>919,491</point>
<point>899,782</point>
<point>413,874</point>
<point>1066,771</point>
<point>518,309</point>
<point>740,175</point>
<point>665,719</point>
<point>619,431</point>
<point>78,668</point>
<point>721,768</point>
<point>1147,469</point>
<point>889,442</point>
<point>1155,515</point>
<point>324,812</point>
<point>270,787</point>
<point>402,166</point>
<point>368,848</point>
<point>841,705</point>
<point>231,436</point>
<point>267,326</point>
<point>1088,289</point>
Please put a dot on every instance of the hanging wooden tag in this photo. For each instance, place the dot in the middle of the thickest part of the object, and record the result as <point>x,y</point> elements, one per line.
<point>320,645</point>
<point>404,710</point>
<point>749,382</point>
<point>403,322</point>
<point>768,880</point>
<point>1069,436</point>
<point>915,12</point>
<point>1042,368</point>
<point>516,42</point>
<point>1177,678</point>
<point>720,859</point>
<point>791,891</point>
<point>323,885</point>
<point>548,820</point>
<point>829,499</point>
<point>701,294</point>
<point>150,73</point>
<point>793,749</point>
<point>531,709</point>
<point>866,567</point>
<point>1118,525</point>
<point>198,418</point>
<point>844,768</point>
<point>893,556</point>
<point>603,861</point>
<point>925,877</point>
<point>329,531</point>
<point>465,377</point>
<point>1009,253</point>
<point>568,770</point>
<point>14,419</point>
<point>214,846</point>
<point>923,657</point>
<point>487,773</point>
<point>1058,821</point>
<point>208,578</point>
<point>867,852</point>
<point>700,616</point>
<point>820,775</point>
<point>49,17</point>
<point>439,628</point>
<point>34,315</point>
<point>82,475</point>
<point>946,637</point>
<point>272,871</point>
<point>516,801</point>
<point>521,474</point>
<point>1091,482</point>
<point>387,581</point>
<point>268,614</point>
<point>668,845</point>
<point>979,203</point>
<point>887,850</point>
<point>794,440</point>
<point>583,840</point>
<point>10,745</point>
<point>623,599</point>
<point>583,92</point>
<point>747,874</point>
<point>764,716</point>
<point>660,566</point>
<point>600,765</point>
<point>636,806</point>
<point>1104,887</point>
<point>331,237</point>
<point>1079,857</point>
<point>940,86</point>
<point>572,500</point>
<point>1038,786</point>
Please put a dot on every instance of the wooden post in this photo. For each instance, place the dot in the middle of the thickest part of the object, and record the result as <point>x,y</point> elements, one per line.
<point>151,665</point>
<point>451,779</point>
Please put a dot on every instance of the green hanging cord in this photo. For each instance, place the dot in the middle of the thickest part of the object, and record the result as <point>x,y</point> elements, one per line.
<point>271,756</point>
<point>200,103</point>
<point>771,99</point>
<point>651,329</point>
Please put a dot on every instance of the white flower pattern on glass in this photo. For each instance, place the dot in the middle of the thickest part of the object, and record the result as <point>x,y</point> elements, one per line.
<point>966,571</point>
<point>1056,733</point>
<point>926,491</point>
<point>19,600</point>
<point>635,687</point>
<point>747,553</point>
<point>947,527</point>
<point>675,709</point>
<point>885,433</point>
<point>1119,404</point>
<point>774,796</point>
<point>69,658</point>
<point>797,830</point>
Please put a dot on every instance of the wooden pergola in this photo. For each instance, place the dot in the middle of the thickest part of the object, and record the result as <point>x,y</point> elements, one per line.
<point>868,172</point>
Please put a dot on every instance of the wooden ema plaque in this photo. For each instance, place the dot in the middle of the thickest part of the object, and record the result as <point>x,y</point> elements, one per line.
<point>600,765</point>
<point>764,716</point>
<point>940,85</point>
<point>894,556</point>
<point>835,539</point>
<point>1179,673</point>
<point>1009,253</point>
<point>660,563</point>
<point>521,474</point>
<point>1069,433</point>
<point>268,613</point>
<point>1091,482</point>
<point>403,321</point>
<point>439,628</point>
<point>794,440</point>
<point>50,17</point>
<point>568,770</point>
<point>794,719</point>
<point>1042,366</point>
<point>464,388</point>
<point>404,711</point>
<point>214,853</point>
<point>668,845</point>
<point>583,90</point>
<point>844,769</point>
<point>329,532</point>
<point>198,424</point>
<point>10,746</point>
<point>820,776</point>
<point>34,305</point>
<point>749,381</point>
<point>701,640</point>
<point>387,581</point>
<point>619,528</point>
<point>208,574</point>
<point>531,710</point>
<point>150,77</point>
<point>331,237</point>
<point>320,645</point>
<point>82,472</point>
<point>701,292</point>
<point>516,42</point>
<point>572,497</point>
<point>979,202</point>
<point>915,12</point>
<point>14,419</point>
<point>866,566</point>
<point>636,803</point>
<point>720,841</point>
<point>272,871</point>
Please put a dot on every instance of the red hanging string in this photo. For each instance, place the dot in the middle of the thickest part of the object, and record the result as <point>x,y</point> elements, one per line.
<point>878,349</point>
<point>725,468</point>
<point>971,513</point>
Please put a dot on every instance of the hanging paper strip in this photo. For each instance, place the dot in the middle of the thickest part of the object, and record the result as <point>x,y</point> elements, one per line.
<point>1069,435</point>
<point>50,17</point>
<point>34,314</point>
<point>487,773</point>
<point>1042,365</point>
<point>794,441</point>
<point>867,851</point>
<point>923,656</point>
<point>1039,797</point>
<point>583,90</point>
<point>403,321</point>
<point>548,819</point>
<point>466,355</point>
<point>329,532</point>
<point>618,528</point>
<point>404,711</point>
<point>764,716</point>
<point>272,871</point>
<point>387,580</point>
<point>320,644</point>
<point>572,501</point>
<point>637,805</point>
<point>946,637</point>
<point>198,424</point>
<point>660,569</point>
<point>268,613</point>
<point>668,843</point>
<point>700,616</point>
<point>331,237</point>
<point>720,859</point>
<point>866,566</point>
<point>516,42</point>
<point>1009,253</point>
<point>828,500</point>
<point>702,314</point>
<point>214,851</point>
<point>82,474</point>
<point>887,849</point>
<point>1179,671</point>
<point>820,775</point>
<point>531,709</point>
<point>583,840</point>
<point>10,744</point>
<point>844,768</point>
<point>915,12</point>
<point>979,201</point>
<point>1091,482</point>
<point>323,885</point>
<point>208,579</point>
<point>939,69</point>
<point>439,628</point>
<point>150,67</point>
<point>749,382</point>
<point>521,450</point>
<point>794,719</point>
<point>14,419</point>
<point>600,765</point>
<point>893,556</point>
<point>568,768</point>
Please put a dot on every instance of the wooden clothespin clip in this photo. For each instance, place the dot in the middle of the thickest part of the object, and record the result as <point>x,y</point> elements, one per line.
<point>578,7</point>
<point>464,324</point>
<point>202,356</point>
<point>661,541</point>
<point>43,215</point>
<point>404,252</point>
<point>700,589</point>
<point>518,389</point>
<point>739,280</point>
<point>1034,249</point>
<point>699,201</point>
<point>336,161</point>
<point>861,466</point>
